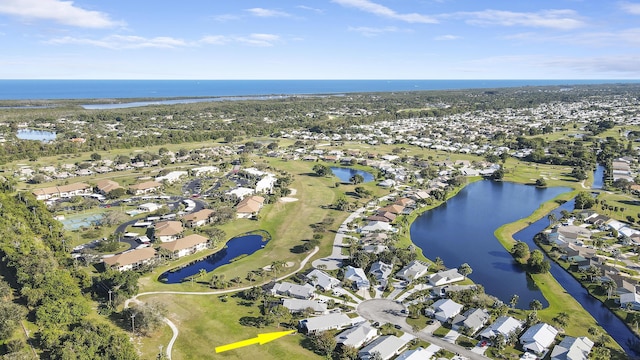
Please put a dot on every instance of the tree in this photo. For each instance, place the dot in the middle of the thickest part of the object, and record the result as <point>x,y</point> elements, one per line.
<point>579,173</point>
<point>96,157</point>
<point>324,343</point>
<point>584,200</point>
<point>541,182</point>
<point>348,352</point>
<point>520,250</point>
<point>535,305</point>
<point>514,300</point>
<point>552,219</point>
<point>465,269</point>
<point>322,170</point>
<point>438,263</point>
<point>537,262</point>
<point>562,318</point>
<point>356,179</point>
<point>498,174</point>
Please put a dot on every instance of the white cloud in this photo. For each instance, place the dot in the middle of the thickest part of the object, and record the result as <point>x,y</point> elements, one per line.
<point>381,10</point>
<point>226,17</point>
<point>629,64</point>
<point>626,37</point>
<point>370,31</point>
<point>262,40</point>
<point>631,8</point>
<point>261,12</point>
<point>554,19</point>
<point>446,37</point>
<point>319,11</point>
<point>215,40</point>
<point>63,12</point>
<point>116,42</point>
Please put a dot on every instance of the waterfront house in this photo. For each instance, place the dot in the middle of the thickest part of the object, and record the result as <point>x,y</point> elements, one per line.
<point>505,325</point>
<point>357,335</point>
<point>571,348</point>
<point>413,270</point>
<point>445,277</point>
<point>131,260</point>
<point>187,245</point>
<point>630,300</point>
<point>538,338</point>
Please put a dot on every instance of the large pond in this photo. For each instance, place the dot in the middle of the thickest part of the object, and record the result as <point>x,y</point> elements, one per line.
<point>236,247</point>
<point>345,174</point>
<point>612,324</point>
<point>39,135</point>
<point>461,231</point>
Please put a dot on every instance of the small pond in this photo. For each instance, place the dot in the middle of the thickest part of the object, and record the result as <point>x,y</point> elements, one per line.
<point>345,174</point>
<point>39,135</point>
<point>236,247</point>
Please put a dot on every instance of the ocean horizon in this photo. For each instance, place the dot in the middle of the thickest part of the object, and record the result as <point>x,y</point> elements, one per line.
<point>130,89</point>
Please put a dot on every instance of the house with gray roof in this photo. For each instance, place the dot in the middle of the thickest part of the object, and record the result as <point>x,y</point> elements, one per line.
<point>381,272</point>
<point>631,300</point>
<point>472,319</point>
<point>413,270</point>
<point>444,309</point>
<point>321,279</point>
<point>298,306</point>
<point>505,325</point>
<point>358,335</point>
<point>334,321</point>
<point>445,277</point>
<point>416,354</point>
<point>285,288</point>
<point>387,346</point>
<point>538,338</point>
<point>571,348</point>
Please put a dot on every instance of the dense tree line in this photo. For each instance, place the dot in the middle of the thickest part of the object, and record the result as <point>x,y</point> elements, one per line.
<point>31,248</point>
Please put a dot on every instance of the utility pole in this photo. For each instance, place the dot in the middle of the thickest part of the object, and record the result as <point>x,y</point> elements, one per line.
<point>133,329</point>
<point>110,291</point>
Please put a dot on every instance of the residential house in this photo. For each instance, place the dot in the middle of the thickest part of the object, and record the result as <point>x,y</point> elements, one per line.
<point>285,288</point>
<point>387,346</point>
<point>358,335</point>
<point>204,170</point>
<point>171,177</point>
<point>505,325</point>
<point>198,218</point>
<point>63,191</point>
<point>187,245</point>
<point>357,276</point>
<point>149,207</point>
<point>265,185</point>
<point>334,321</point>
<point>298,306</point>
<point>381,272</point>
<point>249,207</point>
<point>393,208</point>
<point>472,319</point>
<point>418,354</point>
<point>106,186</point>
<point>413,270</point>
<point>404,202</point>
<point>376,226</point>
<point>145,187</point>
<point>445,277</point>
<point>630,300</point>
<point>444,309</point>
<point>571,348</point>
<point>166,231</point>
<point>131,260</point>
<point>538,338</point>
<point>240,192</point>
<point>321,279</point>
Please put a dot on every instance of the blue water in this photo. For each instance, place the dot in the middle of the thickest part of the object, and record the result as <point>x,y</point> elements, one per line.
<point>38,135</point>
<point>105,89</point>
<point>345,174</point>
<point>242,245</point>
<point>612,324</point>
<point>461,231</point>
<point>598,177</point>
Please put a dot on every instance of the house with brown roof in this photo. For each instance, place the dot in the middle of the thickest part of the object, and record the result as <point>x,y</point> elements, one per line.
<point>131,260</point>
<point>405,202</point>
<point>145,187</point>
<point>106,186</point>
<point>168,230</point>
<point>249,206</point>
<point>198,218</point>
<point>187,245</point>
<point>63,191</point>
<point>393,208</point>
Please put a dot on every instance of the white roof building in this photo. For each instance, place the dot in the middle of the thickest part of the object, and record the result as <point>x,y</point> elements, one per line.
<point>322,323</point>
<point>571,348</point>
<point>538,338</point>
<point>417,354</point>
<point>413,270</point>
<point>445,277</point>
<point>300,305</point>
<point>504,325</point>
<point>241,192</point>
<point>285,288</point>
<point>171,177</point>
<point>387,346</point>
<point>358,276</point>
<point>204,170</point>
<point>321,279</point>
<point>445,309</point>
<point>357,335</point>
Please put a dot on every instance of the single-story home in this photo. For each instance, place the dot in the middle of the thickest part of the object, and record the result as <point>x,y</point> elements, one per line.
<point>445,277</point>
<point>538,338</point>
<point>63,191</point>
<point>472,319</point>
<point>358,277</point>
<point>334,321</point>
<point>131,260</point>
<point>145,187</point>
<point>358,335</point>
<point>505,325</point>
<point>167,230</point>
<point>322,280</point>
<point>198,218</point>
<point>187,245</point>
<point>387,346</point>
<point>444,309</point>
<point>285,288</point>
<point>249,206</point>
<point>381,272</point>
<point>631,300</point>
<point>106,186</point>
<point>571,348</point>
<point>302,305</point>
<point>171,177</point>
<point>413,270</point>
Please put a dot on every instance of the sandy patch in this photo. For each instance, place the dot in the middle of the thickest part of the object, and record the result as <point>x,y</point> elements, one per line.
<point>287,199</point>
<point>293,192</point>
<point>289,264</point>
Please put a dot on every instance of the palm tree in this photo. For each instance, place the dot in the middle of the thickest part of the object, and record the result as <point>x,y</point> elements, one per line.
<point>552,219</point>
<point>465,269</point>
<point>514,300</point>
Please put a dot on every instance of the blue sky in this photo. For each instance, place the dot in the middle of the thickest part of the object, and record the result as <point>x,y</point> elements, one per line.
<point>320,39</point>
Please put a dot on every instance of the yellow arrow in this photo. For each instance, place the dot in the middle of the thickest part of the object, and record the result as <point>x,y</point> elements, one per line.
<point>260,339</point>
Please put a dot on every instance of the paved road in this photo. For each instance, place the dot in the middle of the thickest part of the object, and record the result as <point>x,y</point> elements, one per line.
<point>334,261</point>
<point>389,311</point>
